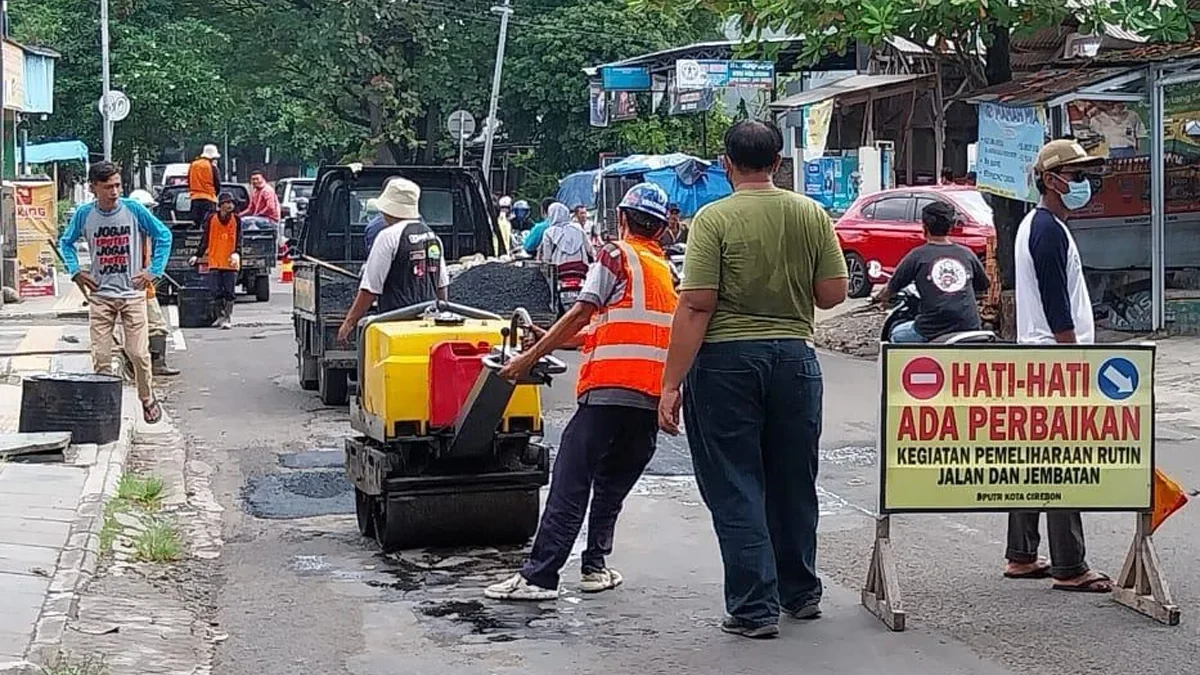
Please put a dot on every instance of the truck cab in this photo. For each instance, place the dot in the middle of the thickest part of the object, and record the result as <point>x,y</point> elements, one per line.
<point>455,204</point>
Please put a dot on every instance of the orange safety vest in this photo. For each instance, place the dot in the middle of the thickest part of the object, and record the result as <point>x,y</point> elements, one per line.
<point>626,342</point>
<point>222,240</point>
<point>200,180</point>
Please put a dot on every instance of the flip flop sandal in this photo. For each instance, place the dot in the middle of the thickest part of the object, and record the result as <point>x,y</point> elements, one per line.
<point>152,412</point>
<point>1088,586</point>
<point>1039,572</point>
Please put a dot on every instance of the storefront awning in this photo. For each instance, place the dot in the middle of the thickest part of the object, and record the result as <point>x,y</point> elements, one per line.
<point>857,86</point>
<point>56,151</point>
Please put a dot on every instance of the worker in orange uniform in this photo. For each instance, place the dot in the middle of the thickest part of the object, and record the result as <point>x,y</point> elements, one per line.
<point>221,248</point>
<point>625,306</point>
<point>204,184</point>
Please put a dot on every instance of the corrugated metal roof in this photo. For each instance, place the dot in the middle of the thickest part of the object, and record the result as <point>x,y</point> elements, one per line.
<point>1042,86</point>
<point>849,85</point>
<point>1151,53</point>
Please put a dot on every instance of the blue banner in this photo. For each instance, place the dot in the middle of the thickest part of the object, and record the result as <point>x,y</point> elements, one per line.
<point>626,78</point>
<point>1009,140</point>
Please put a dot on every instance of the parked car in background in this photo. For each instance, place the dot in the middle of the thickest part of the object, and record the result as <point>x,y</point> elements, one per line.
<point>290,191</point>
<point>886,225</point>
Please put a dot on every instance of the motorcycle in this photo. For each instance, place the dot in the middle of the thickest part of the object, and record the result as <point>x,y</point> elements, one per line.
<point>904,306</point>
<point>570,284</point>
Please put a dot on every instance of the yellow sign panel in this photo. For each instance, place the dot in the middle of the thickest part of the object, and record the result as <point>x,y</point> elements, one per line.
<point>1009,427</point>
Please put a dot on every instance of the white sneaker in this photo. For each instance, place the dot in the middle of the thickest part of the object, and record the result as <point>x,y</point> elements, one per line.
<point>597,582</point>
<point>517,588</point>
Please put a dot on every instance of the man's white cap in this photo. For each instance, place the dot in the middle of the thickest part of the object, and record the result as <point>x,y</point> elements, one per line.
<point>210,152</point>
<point>400,199</point>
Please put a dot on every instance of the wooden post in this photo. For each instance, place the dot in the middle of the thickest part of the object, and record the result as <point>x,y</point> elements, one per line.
<point>1140,585</point>
<point>881,594</point>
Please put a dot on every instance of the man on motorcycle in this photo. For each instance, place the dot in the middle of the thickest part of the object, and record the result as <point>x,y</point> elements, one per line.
<point>947,276</point>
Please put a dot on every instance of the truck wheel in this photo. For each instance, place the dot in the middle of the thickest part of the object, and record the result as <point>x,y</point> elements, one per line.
<point>306,371</point>
<point>262,288</point>
<point>333,386</point>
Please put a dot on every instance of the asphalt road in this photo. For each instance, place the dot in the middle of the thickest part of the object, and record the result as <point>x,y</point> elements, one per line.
<point>302,592</point>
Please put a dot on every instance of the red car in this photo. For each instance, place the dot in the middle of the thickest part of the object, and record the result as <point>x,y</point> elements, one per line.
<point>887,225</point>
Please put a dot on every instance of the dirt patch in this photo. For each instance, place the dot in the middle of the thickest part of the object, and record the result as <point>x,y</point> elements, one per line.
<point>855,333</point>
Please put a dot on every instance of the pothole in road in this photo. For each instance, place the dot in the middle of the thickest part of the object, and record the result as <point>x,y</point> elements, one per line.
<point>299,494</point>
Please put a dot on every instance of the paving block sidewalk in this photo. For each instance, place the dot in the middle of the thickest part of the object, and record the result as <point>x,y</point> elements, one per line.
<point>50,513</point>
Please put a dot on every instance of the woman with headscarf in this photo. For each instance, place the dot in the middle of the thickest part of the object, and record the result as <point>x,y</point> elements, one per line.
<point>564,241</point>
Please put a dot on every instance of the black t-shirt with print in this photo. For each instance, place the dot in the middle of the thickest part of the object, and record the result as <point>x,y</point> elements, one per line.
<point>948,276</point>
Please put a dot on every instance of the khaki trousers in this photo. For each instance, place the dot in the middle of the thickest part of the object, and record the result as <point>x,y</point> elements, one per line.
<point>103,316</point>
<point>155,319</point>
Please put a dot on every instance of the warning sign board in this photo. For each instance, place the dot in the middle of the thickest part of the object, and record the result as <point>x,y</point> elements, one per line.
<point>1005,427</point>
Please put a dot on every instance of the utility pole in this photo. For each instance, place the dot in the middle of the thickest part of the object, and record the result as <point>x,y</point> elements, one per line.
<point>504,11</point>
<point>105,81</point>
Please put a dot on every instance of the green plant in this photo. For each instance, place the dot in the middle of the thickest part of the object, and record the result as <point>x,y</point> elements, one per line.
<point>111,527</point>
<point>145,491</point>
<point>158,542</point>
<point>64,664</point>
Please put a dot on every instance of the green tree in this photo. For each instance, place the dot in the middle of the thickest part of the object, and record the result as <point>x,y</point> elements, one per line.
<point>169,65</point>
<point>546,93</point>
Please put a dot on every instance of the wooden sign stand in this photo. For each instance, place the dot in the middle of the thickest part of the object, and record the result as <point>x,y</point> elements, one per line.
<point>881,595</point>
<point>1140,585</point>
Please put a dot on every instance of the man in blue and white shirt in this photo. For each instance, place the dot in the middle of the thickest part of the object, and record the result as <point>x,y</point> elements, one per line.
<point>1053,307</point>
<point>116,283</point>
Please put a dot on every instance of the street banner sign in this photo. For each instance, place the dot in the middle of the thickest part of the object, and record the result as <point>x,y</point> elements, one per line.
<point>1009,427</point>
<point>1009,140</point>
<point>625,78</point>
<point>694,101</point>
<point>691,74</point>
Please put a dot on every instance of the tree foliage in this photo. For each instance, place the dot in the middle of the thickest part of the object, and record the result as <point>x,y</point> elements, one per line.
<point>957,27</point>
<point>330,80</point>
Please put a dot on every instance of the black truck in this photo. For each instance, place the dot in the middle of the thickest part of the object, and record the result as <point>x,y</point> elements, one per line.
<point>260,245</point>
<point>456,205</point>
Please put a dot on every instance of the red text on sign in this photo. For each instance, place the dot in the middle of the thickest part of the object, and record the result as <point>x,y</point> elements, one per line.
<point>1022,423</point>
<point>1006,379</point>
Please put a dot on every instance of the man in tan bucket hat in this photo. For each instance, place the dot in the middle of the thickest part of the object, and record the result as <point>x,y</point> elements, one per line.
<point>405,265</point>
<point>1053,307</point>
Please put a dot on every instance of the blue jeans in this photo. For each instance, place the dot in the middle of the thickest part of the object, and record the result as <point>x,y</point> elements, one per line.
<point>905,332</point>
<point>752,410</point>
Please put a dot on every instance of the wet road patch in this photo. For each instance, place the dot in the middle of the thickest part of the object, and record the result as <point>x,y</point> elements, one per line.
<point>299,494</point>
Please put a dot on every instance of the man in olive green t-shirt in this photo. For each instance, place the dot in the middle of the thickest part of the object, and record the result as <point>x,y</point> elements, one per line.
<point>758,263</point>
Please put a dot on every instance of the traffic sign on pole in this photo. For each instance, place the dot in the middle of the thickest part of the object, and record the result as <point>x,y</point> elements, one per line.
<point>118,106</point>
<point>461,125</point>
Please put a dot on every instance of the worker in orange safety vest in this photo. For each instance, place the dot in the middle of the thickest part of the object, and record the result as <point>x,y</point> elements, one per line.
<point>622,321</point>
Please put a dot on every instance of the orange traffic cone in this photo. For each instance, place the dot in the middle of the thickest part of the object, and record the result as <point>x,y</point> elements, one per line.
<point>285,275</point>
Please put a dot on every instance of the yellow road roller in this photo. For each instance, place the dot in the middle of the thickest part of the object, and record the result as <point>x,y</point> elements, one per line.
<point>446,451</point>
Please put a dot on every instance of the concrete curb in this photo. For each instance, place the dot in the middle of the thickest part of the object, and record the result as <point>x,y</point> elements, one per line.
<point>33,317</point>
<point>80,557</point>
